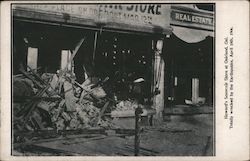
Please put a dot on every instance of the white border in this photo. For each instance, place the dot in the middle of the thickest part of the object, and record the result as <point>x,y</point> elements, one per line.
<point>230,144</point>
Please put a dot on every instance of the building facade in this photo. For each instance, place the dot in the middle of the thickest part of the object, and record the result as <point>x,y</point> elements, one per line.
<point>170,46</point>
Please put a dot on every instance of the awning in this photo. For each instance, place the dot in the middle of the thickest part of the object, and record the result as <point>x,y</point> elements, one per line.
<point>191,35</point>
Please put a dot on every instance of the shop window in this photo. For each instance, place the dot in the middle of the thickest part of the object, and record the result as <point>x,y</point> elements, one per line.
<point>124,59</point>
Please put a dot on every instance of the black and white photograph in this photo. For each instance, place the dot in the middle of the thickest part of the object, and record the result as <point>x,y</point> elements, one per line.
<point>113,79</point>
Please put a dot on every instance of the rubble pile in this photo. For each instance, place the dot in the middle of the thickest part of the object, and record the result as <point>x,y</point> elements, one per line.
<point>125,108</point>
<point>57,101</point>
<point>84,116</point>
<point>126,105</point>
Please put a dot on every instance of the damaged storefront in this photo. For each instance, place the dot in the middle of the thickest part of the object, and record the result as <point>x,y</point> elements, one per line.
<point>189,56</point>
<point>79,67</point>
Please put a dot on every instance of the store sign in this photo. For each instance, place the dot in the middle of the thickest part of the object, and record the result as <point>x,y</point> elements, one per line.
<point>192,18</point>
<point>146,17</point>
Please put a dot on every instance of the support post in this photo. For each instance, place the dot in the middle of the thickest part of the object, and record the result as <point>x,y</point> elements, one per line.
<point>195,90</point>
<point>32,58</point>
<point>159,80</point>
<point>138,112</point>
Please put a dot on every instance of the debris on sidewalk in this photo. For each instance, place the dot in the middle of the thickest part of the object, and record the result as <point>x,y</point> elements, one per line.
<point>56,101</point>
<point>75,107</point>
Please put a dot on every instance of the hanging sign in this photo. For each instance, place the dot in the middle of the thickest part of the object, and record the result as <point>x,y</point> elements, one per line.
<point>139,17</point>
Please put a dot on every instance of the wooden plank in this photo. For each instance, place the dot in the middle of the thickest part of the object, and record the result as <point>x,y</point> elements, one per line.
<point>50,133</point>
<point>73,54</point>
<point>43,82</point>
<point>36,75</point>
<point>131,113</point>
<point>32,79</point>
<point>27,98</point>
<point>80,139</point>
<point>143,151</point>
<point>188,114</point>
<point>91,146</point>
<point>102,111</point>
<point>125,131</point>
<point>37,148</point>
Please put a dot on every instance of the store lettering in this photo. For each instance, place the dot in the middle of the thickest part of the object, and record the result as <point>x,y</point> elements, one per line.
<point>192,18</point>
<point>126,16</point>
<point>150,9</point>
<point>182,17</point>
<point>118,14</point>
<point>202,20</point>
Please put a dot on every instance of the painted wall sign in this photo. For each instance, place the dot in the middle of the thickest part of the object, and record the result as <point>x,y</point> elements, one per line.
<point>146,17</point>
<point>192,18</point>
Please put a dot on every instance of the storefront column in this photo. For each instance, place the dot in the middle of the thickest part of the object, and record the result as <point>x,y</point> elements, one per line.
<point>32,58</point>
<point>195,90</point>
<point>159,80</point>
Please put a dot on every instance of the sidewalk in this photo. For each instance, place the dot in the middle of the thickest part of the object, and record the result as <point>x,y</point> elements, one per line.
<point>188,132</point>
<point>190,135</point>
<point>182,135</point>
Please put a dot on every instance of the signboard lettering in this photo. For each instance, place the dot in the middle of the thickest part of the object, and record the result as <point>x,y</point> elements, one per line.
<point>192,18</point>
<point>147,8</point>
<point>137,15</point>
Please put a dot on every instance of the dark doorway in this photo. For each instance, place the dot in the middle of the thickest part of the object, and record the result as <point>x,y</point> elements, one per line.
<point>185,61</point>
